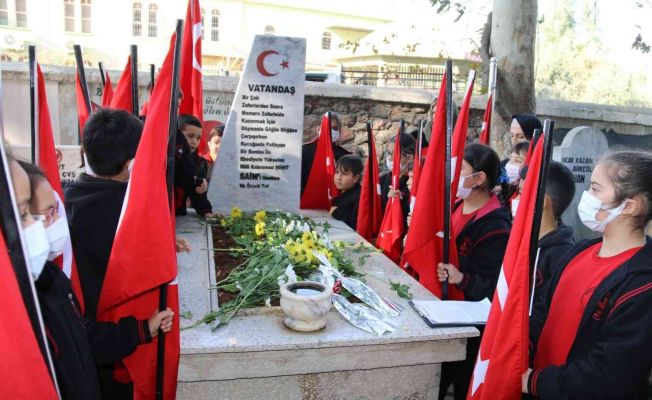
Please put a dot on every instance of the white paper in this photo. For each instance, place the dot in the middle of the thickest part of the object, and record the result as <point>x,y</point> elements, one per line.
<point>454,312</point>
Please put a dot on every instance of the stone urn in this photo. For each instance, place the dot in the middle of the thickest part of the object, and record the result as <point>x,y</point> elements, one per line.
<point>306,305</point>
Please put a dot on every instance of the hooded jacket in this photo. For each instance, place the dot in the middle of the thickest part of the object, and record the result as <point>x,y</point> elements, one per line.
<point>552,250</point>
<point>611,355</point>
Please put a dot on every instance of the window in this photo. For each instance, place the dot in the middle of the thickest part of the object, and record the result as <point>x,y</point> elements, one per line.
<point>269,30</point>
<point>215,25</point>
<point>137,18</point>
<point>203,13</point>
<point>69,15</point>
<point>4,13</point>
<point>86,16</point>
<point>21,13</point>
<point>326,41</point>
<point>151,26</point>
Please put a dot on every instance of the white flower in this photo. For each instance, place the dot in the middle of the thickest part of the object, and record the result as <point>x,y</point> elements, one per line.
<point>306,227</point>
<point>289,272</point>
<point>268,302</point>
<point>238,285</point>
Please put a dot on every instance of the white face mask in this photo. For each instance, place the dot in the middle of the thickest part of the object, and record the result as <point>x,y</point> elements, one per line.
<point>389,163</point>
<point>58,235</point>
<point>589,207</point>
<point>515,206</point>
<point>37,247</point>
<point>335,134</point>
<point>512,172</point>
<point>464,192</point>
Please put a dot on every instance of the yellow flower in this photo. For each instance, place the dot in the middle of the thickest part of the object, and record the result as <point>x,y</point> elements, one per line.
<point>306,236</point>
<point>224,222</point>
<point>260,216</point>
<point>260,228</point>
<point>236,212</point>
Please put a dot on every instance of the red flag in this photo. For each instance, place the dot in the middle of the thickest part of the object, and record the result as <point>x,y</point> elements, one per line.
<point>424,245</point>
<point>47,160</point>
<point>530,150</point>
<point>143,254</point>
<point>369,209</point>
<point>503,355</point>
<point>82,107</point>
<point>485,131</point>
<point>107,92</point>
<point>320,188</point>
<point>416,171</point>
<point>23,368</point>
<point>391,230</point>
<point>122,98</point>
<point>459,137</point>
<point>191,74</point>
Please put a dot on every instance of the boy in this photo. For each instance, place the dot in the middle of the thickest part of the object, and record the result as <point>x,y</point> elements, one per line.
<point>93,206</point>
<point>408,145</point>
<point>555,238</point>
<point>214,142</point>
<point>348,172</point>
<point>191,129</point>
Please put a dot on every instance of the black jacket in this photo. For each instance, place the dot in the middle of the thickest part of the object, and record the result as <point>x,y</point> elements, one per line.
<point>385,180</point>
<point>481,247</point>
<point>308,151</point>
<point>198,201</point>
<point>184,168</point>
<point>611,356</point>
<point>347,206</point>
<point>553,248</point>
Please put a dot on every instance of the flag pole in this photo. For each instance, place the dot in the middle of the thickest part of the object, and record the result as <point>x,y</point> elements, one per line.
<point>172,143</point>
<point>370,176</point>
<point>102,73</point>
<point>134,79</point>
<point>447,176</point>
<point>493,68</point>
<point>32,99</point>
<point>420,142</point>
<point>15,246</point>
<point>548,133</point>
<point>152,75</point>
<point>82,77</point>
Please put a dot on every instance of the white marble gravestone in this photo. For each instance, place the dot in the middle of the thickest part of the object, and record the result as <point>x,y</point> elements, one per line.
<point>68,158</point>
<point>259,162</point>
<point>581,149</point>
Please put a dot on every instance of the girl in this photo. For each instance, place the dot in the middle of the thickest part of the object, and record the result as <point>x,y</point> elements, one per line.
<point>590,332</point>
<point>481,228</point>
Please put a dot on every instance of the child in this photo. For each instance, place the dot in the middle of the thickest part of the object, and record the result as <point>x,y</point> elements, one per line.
<point>515,163</point>
<point>348,172</point>
<point>555,238</point>
<point>481,227</point>
<point>408,145</point>
<point>191,129</point>
<point>214,141</point>
<point>93,207</point>
<point>522,129</point>
<point>590,332</point>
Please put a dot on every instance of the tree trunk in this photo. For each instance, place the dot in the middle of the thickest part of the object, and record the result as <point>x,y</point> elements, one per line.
<point>513,34</point>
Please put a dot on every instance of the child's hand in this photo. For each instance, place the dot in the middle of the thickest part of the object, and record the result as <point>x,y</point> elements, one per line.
<point>393,193</point>
<point>210,215</point>
<point>448,271</point>
<point>409,219</point>
<point>161,319</point>
<point>332,210</point>
<point>201,189</point>
<point>182,245</point>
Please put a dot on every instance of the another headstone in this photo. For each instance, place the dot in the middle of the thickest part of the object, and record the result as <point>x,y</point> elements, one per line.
<point>68,158</point>
<point>258,165</point>
<point>581,149</point>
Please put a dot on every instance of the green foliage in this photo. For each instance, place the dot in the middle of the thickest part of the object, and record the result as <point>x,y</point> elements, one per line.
<point>402,290</point>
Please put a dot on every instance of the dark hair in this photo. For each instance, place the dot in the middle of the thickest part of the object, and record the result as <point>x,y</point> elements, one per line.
<point>528,124</point>
<point>350,163</point>
<point>407,142</point>
<point>217,131</point>
<point>560,186</point>
<point>335,117</point>
<point>35,174</point>
<point>483,159</point>
<point>414,132</point>
<point>187,119</point>
<point>110,140</point>
<point>521,147</point>
<point>631,174</point>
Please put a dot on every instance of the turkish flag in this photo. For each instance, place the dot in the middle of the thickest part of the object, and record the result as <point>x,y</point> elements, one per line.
<point>47,160</point>
<point>83,111</point>
<point>23,368</point>
<point>424,244</point>
<point>143,255</point>
<point>107,92</point>
<point>416,171</point>
<point>391,230</point>
<point>122,98</point>
<point>485,131</point>
<point>369,208</point>
<point>503,355</point>
<point>191,74</point>
<point>320,188</point>
<point>459,138</point>
<point>530,150</point>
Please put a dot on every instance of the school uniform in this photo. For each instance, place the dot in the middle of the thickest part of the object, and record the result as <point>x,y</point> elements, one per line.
<point>590,332</point>
<point>347,206</point>
<point>385,181</point>
<point>198,201</point>
<point>308,151</point>
<point>552,250</point>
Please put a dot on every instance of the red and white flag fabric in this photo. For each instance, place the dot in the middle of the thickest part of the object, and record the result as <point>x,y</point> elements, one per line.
<point>459,137</point>
<point>370,208</point>
<point>47,159</point>
<point>83,110</point>
<point>123,98</point>
<point>425,239</point>
<point>320,187</point>
<point>191,71</point>
<point>485,131</point>
<point>416,171</point>
<point>391,230</point>
<point>23,369</point>
<point>143,255</point>
<point>503,355</point>
<point>107,91</point>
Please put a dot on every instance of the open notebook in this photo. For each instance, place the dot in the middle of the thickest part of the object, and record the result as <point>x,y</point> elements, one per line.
<point>452,313</point>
